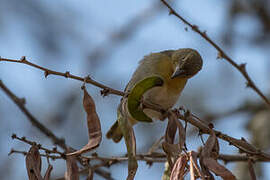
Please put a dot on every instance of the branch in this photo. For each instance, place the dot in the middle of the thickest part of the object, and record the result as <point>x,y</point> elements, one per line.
<point>21,104</point>
<point>241,144</point>
<point>106,90</point>
<point>221,54</point>
<point>149,158</point>
<point>43,129</point>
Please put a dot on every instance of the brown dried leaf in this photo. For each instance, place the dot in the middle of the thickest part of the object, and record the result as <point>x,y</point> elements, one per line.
<point>182,134</point>
<point>72,168</point>
<point>206,174</point>
<point>171,130</point>
<point>33,164</point>
<point>178,170</point>
<point>209,145</point>
<point>194,168</point>
<point>218,169</point>
<point>251,170</point>
<point>172,151</point>
<point>93,123</point>
<point>90,174</point>
<point>48,172</point>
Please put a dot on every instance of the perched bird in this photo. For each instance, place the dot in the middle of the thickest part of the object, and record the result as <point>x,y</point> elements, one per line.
<point>175,67</point>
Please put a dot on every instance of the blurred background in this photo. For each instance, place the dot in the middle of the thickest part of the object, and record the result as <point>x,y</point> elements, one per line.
<point>106,40</point>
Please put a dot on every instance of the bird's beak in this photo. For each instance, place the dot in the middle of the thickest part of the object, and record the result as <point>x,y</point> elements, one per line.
<point>179,72</point>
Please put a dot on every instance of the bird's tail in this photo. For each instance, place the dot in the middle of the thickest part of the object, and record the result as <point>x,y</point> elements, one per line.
<point>115,133</point>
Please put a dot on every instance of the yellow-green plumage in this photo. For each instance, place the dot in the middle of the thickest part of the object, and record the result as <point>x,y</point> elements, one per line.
<point>162,64</point>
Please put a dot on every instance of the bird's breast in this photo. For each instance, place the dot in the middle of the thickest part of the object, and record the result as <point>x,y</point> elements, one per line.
<point>165,96</point>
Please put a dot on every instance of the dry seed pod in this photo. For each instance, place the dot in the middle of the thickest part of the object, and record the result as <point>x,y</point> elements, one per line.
<point>93,124</point>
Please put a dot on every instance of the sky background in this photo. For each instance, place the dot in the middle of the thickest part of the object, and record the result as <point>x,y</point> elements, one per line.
<point>106,40</point>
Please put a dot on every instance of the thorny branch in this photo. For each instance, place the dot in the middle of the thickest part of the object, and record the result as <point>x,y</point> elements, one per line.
<point>149,158</point>
<point>241,144</point>
<point>221,54</point>
<point>106,90</point>
<point>20,102</point>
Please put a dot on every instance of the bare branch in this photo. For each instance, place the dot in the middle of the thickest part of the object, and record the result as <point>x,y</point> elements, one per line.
<point>21,104</point>
<point>106,90</point>
<point>221,54</point>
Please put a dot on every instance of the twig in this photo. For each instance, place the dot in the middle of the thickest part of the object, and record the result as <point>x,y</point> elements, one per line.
<point>53,157</point>
<point>160,157</point>
<point>60,142</point>
<point>32,143</point>
<point>221,54</point>
<point>106,90</point>
<point>241,144</point>
<point>21,104</point>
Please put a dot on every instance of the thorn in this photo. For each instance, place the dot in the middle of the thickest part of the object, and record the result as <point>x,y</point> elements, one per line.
<point>23,58</point>
<point>67,74</point>
<point>243,66</point>
<point>220,55</point>
<point>22,101</point>
<point>55,149</point>
<point>204,32</point>
<point>171,12</point>
<point>11,152</point>
<point>13,136</point>
<point>243,139</point>
<point>195,27</point>
<point>46,73</point>
<point>248,85</point>
<point>104,92</point>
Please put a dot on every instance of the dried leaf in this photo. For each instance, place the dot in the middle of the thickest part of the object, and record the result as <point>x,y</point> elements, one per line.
<point>90,174</point>
<point>130,141</point>
<point>194,168</point>
<point>218,169</point>
<point>251,170</point>
<point>178,170</point>
<point>72,169</point>
<point>48,172</point>
<point>182,133</point>
<point>192,171</point>
<point>172,151</point>
<point>135,96</point>
<point>206,174</point>
<point>209,145</point>
<point>33,164</point>
<point>171,130</point>
<point>93,123</point>
<point>207,151</point>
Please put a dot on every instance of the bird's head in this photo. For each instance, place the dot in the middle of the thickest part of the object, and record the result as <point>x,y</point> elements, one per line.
<point>186,63</point>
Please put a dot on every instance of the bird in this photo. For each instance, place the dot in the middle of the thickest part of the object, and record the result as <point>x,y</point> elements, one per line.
<point>175,67</point>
